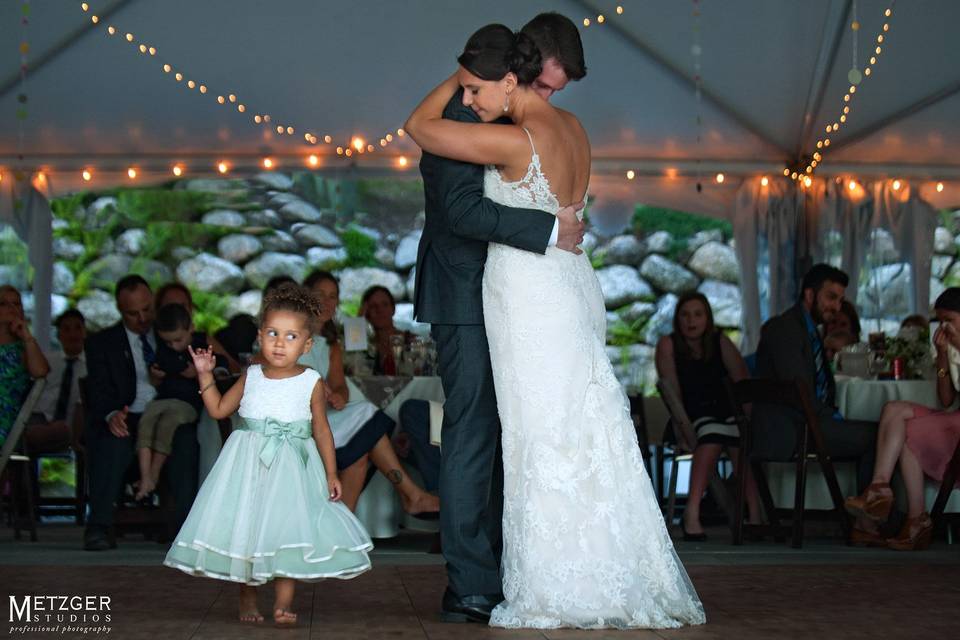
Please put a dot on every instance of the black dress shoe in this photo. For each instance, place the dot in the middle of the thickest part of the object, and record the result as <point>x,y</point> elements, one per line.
<point>467,608</point>
<point>97,540</point>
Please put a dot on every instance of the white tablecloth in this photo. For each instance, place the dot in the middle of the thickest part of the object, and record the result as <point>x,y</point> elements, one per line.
<point>864,399</point>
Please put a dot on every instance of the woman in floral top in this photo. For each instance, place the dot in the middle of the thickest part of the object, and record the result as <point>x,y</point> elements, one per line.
<point>20,358</point>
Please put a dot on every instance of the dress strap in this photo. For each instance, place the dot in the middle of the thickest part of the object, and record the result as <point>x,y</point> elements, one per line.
<point>530,138</point>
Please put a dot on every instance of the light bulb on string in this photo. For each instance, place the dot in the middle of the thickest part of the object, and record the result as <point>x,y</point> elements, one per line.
<point>807,181</point>
<point>268,163</point>
<point>764,181</point>
<point>313,160</point>
<point>896,185</point>
<point>786,172</point>
<point>327,139</point>
<point>177,170</point>
<point>402,161</point>
<point>852,185</point>
<point>720,178</point>
<point>132,173</point>
<point>86,175</point>
<point>939,187</point>
<point>631,175</point>
<point>223,167</point>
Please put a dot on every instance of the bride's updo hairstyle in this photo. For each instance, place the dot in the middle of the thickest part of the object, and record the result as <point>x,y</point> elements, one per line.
<point>495,50</point>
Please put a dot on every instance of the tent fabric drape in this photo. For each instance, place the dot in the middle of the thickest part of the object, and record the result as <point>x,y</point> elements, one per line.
<point>32,221</point>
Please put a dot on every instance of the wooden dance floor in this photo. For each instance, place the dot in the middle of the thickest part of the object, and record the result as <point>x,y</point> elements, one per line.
<point>760,590</point>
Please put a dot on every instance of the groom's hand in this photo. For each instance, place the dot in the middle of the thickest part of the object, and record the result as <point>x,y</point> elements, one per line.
<point>570,229</point>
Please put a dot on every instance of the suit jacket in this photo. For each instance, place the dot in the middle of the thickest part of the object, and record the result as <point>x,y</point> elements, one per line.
<point>111,374</point>
<point>786,353</point>
<point>459,224</point>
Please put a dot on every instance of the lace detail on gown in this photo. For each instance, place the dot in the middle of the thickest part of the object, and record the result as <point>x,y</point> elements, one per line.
<point>585,544</point>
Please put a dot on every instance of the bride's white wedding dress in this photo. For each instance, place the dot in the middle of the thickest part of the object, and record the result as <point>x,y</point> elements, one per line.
<point>584,543</point>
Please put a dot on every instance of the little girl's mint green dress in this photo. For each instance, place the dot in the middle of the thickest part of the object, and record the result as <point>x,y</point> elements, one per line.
<point>264,510</point>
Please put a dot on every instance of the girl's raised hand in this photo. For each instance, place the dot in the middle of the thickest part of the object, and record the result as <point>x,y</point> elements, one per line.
<point>203,359</point>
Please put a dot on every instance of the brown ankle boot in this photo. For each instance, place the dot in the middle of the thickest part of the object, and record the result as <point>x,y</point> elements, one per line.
<point>915,535</point>
<point>875,503</point>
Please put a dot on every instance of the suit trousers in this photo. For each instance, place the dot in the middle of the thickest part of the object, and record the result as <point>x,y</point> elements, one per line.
<point>110,458</point>
<point>471,466</point>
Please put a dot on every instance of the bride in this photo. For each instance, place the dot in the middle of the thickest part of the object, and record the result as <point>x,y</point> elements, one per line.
<point>584,543</point>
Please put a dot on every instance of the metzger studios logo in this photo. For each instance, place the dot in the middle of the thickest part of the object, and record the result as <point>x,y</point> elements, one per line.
<point>59,614</point>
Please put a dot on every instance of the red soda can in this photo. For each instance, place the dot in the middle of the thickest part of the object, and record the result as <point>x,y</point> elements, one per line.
<point>898,368</point>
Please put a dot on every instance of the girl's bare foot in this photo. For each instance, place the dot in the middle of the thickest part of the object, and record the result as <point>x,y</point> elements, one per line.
<point>420,502</point>
<point>284,617</point>
<point>145,487</point>
<point>248,605</point>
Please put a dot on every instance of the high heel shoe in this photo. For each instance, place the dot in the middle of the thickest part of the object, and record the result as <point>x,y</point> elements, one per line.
<point>691,537</point>
<point>874,504</point>
<point>916,534</point>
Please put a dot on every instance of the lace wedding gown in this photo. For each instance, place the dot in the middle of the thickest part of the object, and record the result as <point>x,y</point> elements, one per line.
<point>584,543</point>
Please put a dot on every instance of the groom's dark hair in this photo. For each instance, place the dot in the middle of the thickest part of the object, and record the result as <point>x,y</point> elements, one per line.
<point>557,37</point>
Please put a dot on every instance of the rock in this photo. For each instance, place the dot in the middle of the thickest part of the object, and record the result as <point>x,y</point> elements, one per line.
<point>274,180</point>
<point>279,241</point>
<point>661,323</point>
<point>265,218</point>
<point>626,249</point>
<point>212,185</point>
<point>882,247</point>
<point>206,272</point>
<point>58,304</point>
<point>406,255</point>
<point>14,276</point>
<point>403,320</point>
<point>324,258</point>
<point>887,291</point>
<point>412,283</point>
<point>247,302</point>
<point>271,264</point>
<point>667,275</point>
<point>939,266</point>
<point>57,224</point>
<point>99,309</point>
<point>104,272</point>
<point>239,248</point>
<point>701,238</point>
<point>943,241</point>
<point>632,365</point>
<point>101,207</point>
<point>717,261</point>
<point>589,243</point>
<point>936,288</point>
<point>278,198</point>
<point>300,211</point>
<point>224,218</point>
<point>622,285</point>
<point>353,282</point>
<point>315,235</point>
<point>725,300</point>
<point>659,242</point>
<point>63,279</point>
<point>373,234</point>
<point>384,257</point>
<point>131,242</point>
<point>67,249</point>
<point>183,253</point>
<point>151,270</point>
<point>638,312</point>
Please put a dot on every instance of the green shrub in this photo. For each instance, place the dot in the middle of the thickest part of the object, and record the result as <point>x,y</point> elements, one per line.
<point>142,206</point>
<point>621,333</point>
<point>210,310</point>
<point>360,247</point>
<point>681,225</point>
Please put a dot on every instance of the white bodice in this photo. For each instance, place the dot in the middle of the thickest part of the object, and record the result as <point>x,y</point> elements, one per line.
<point>286,400</point>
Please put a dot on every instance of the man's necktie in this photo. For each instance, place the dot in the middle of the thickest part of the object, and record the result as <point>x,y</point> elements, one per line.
<point>66,383</point>
<point>149,355</point>
<point>820,361</point>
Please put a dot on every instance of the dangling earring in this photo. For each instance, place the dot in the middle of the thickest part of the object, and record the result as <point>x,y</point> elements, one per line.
<point>506,103</point>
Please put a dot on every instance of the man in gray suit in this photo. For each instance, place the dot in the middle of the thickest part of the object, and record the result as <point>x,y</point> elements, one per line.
<point>791,348</point>
<point>450,261</point>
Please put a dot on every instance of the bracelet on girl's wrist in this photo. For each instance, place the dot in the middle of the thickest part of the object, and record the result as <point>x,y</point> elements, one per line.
<point>204,388</point>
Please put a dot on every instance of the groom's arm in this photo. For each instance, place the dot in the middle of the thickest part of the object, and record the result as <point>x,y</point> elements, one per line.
<point>471,215</point>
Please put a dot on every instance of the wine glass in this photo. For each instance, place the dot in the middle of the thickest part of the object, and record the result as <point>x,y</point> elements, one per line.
<point>396,346</point>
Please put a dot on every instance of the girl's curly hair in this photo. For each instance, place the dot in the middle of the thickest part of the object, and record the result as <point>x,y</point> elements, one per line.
<point>290,296</point>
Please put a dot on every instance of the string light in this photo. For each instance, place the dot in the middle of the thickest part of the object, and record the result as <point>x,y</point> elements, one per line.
<point>177,170</point>
<point>313,160</point>
<point>852,185</point>
<point>720,178</point>
<point>268,163</point>
<point>939,187</point>
<point>402,161</point>
<point>764,181</point>
<point>223,167</point>
<point>631,175</point>
<point>131,173</point>
<point>86,175</point>
<point>896,185</point>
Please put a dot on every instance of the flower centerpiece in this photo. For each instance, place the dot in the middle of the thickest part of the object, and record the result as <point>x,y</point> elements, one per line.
<point>912,346</point>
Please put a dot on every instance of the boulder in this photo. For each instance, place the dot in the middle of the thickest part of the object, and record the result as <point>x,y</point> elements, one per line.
<point>63,279</point>
<point>67,249</point>
<point>667,275</point>
<point>701,238</point>
<point>238,248</point>
<point>206,272</point>
<point>265,218</point>
<point>212,185</point>
<point>943,241</point>
<point>15,276</point>
<point>725,300</point>
<point>104,272</point>
<point>661,323</point>
<point>299,211</point>
<point>716,261</point>
<point>384,257</point>
<point>324,258</point>
<point>58,304</point>
<point>274,180</point>
<point>354,281</point>
<point>625,249</point>
<point>131,242</point>
<point>638,312</point>
<point>279,241</point>
<point>633,365</point>
<point>270,264</point>
<point>183,253</point>
<point>939,265</point>
<point>224,218</point>
<point>247,302</point>
<point>622,285</point>
<point>589,243</point>
<point>315,235</point>
<point>659,242</point>
<point>406,254</point>
<point>101,208</point>
<point>99,309</point>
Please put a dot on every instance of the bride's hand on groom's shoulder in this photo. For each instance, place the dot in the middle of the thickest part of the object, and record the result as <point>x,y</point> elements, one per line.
<point>570,230</point>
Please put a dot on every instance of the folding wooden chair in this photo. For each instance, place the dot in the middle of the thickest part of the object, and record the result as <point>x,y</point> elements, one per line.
<point>21,480</point>
<point>947,486</point>
<point>810,445</point>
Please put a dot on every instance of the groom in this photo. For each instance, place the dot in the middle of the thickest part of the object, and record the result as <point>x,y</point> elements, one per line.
<point>453,248</point>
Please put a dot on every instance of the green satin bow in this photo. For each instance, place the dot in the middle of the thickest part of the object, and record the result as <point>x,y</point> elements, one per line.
<point>276,433</point>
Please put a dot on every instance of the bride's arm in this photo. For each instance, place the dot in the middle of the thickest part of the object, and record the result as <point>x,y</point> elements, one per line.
<point>474,143</point>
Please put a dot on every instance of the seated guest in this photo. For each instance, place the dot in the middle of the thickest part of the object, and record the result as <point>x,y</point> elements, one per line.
<point>846,319</point>
<point>916,321</point>
<point>413,442</point>
<point>920,438</point>
<point>835,341</point>
<point>791,349</point>
<point>50,427</point>
<point>20,358</point>
<point>177,401</point>
<point>176,293</point>
<point>119,389</point>
<point>361,432</point>
<point>694,360</point>
<point>378,307</point>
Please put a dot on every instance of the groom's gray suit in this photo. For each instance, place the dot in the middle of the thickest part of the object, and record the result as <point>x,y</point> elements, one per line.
<point>453,249</point>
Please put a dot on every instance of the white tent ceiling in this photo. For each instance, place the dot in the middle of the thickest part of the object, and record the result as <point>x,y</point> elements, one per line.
<point>774,74</point>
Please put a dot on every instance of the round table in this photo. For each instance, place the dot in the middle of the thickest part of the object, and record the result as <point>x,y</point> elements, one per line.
<point>860,399</point>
